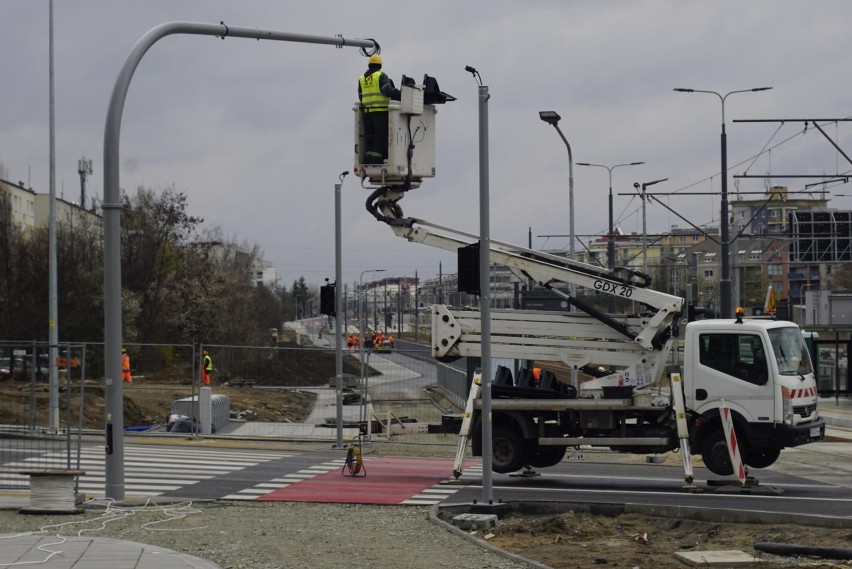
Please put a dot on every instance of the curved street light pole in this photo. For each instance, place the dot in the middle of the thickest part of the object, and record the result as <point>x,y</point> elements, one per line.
<point>552,118</point>
<point>610,243</point>
<point>726,309</point>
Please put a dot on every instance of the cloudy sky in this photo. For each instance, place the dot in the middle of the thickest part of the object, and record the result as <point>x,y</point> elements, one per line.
<point>257,132</point>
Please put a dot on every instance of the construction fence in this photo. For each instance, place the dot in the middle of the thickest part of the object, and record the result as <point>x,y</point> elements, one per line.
<point>254,391</point>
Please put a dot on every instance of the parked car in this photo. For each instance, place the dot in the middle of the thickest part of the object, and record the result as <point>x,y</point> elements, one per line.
<point>6,366</point>
<point>22,367</point>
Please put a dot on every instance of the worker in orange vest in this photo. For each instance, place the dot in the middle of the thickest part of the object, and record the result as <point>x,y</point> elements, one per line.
<point>206,367</point>
<point>125,367</point>
<point>536,373</point>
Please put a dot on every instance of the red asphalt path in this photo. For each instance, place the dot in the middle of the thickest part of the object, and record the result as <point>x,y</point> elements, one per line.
<point>389,480</point>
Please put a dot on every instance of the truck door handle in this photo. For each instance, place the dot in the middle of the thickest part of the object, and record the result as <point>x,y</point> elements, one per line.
<point>700,394</point>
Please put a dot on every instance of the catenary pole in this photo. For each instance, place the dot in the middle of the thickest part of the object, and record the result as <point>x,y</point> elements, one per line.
<point>726,307</point>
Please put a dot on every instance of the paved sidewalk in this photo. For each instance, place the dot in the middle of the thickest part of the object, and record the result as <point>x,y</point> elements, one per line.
<point>54,552</point>
<point>836,411</point>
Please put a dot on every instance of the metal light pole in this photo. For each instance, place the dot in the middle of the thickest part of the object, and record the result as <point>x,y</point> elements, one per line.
<point>52,295</point>
<point>644,223</point>
<point>361,322</point>
<point>553,118</point>
<point>338,308</point>
<point>485,292</point>
<point>725,282</point>
<point>385,314</point>
<point>610,244</point>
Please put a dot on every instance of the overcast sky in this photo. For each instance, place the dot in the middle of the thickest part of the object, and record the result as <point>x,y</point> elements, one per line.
<point>257,132</point>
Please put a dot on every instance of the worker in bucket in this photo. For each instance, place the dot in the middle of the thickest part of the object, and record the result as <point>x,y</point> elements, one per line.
<point>375,89</point>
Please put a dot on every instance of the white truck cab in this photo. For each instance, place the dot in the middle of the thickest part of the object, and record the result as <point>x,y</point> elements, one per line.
<point>762,371</point>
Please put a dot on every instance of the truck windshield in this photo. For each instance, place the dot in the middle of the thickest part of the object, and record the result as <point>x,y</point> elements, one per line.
<point>790,351</point>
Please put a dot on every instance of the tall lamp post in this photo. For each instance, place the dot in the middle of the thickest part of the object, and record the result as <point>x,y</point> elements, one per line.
<point>552,118</point>
<point>610,244</point>
<point>361,323</point>
<point>725,282</point>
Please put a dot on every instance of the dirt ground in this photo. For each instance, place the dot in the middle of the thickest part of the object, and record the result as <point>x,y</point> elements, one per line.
<point>573,540</point>
<point>148,400</point>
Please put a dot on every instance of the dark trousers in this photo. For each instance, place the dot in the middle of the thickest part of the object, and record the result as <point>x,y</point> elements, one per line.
<point>375,137</point>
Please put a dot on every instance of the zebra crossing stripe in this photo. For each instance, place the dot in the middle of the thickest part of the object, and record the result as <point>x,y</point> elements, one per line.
<point>151,471</point>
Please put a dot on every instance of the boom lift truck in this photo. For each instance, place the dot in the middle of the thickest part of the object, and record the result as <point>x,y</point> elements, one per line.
<point>759,369</point>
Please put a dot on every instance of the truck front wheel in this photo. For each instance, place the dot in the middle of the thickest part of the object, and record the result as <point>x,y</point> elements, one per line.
<point>762,457</point>
<point>509,453</point>
<point>545,456</point>
<point>714,452</point>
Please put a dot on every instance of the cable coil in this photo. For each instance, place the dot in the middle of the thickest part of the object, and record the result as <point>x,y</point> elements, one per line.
<point>53,492</point>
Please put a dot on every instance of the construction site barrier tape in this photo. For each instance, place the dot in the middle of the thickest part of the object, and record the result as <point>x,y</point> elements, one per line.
<point>731,440</point>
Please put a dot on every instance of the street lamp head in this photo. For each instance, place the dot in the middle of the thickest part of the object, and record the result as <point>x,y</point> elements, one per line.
<point>635,163</point>
<point>646,184</point>
<point>761,88</point>
<point>585,164</point>
<point>682,90</point>
<point>550,117</point>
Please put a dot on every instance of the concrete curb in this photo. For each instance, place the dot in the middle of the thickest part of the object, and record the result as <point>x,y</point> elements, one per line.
<point>435,518</point>
<point>547,507</point>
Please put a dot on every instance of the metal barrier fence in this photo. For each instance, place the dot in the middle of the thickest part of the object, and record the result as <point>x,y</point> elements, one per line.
<point>40,423</point>
<point>284,392</point>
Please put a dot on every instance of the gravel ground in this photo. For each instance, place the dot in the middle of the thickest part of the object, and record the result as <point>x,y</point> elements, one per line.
<point>291,535</point>
<point>267,535</point>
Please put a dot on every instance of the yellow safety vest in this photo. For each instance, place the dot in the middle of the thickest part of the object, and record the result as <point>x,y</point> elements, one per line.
<point>208,363</point>
<point>372,98</point>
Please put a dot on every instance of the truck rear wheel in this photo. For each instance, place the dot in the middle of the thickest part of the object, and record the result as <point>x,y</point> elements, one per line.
<point>714,452</point>
<point>762,457</point>
<point>508,451</point>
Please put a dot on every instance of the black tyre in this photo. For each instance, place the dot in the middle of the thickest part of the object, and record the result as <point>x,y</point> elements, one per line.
<point>546,456</point>
<point>762,457</point>
<point>714,452</point>
<point>508,450</point>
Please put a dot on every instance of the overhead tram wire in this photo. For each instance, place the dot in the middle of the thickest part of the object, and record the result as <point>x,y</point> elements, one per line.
<point>751,159</point>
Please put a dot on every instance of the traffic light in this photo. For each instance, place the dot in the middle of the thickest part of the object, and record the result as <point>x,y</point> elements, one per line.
<point>327,300</point>
<point>693,312</point>
<point>468,257</point>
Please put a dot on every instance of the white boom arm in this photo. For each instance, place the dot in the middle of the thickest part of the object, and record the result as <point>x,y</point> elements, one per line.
<point>547,270</point>
<point>574,338</point>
